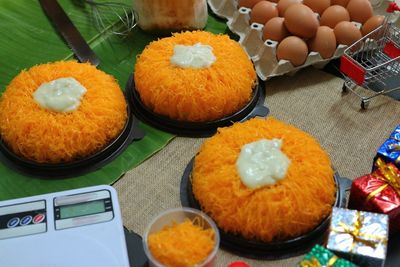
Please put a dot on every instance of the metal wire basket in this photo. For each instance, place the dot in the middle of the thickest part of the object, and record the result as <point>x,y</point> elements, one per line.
<point>373,59</point>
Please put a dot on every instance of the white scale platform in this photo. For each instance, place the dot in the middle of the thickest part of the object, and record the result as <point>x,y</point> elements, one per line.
<point>76,228</point>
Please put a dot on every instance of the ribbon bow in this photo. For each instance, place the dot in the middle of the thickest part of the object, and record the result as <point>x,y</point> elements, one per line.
<point>315,263</point>
<point>389,175</point>
<point>359,237</point>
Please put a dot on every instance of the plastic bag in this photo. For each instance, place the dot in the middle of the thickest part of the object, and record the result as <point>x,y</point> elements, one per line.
<point>171,15</point>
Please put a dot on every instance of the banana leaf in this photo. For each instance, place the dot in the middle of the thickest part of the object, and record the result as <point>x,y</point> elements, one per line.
<point>28,38</point>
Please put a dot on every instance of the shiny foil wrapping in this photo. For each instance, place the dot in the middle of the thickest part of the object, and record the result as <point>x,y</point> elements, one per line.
<point>359,236</point>
<point>322,257</point>
<point>390,150</point>
<point>372,193</point>
<point>396,133</point>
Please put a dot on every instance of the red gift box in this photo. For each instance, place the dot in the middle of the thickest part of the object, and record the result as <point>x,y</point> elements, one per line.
<point>379,192</point>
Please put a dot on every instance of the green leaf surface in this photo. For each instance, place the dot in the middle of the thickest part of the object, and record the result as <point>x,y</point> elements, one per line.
<point>28,39</point>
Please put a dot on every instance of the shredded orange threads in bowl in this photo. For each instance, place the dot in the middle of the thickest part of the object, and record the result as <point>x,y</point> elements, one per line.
<point>291,207</point>
<point>43,136</point>
<point>195,95</point>
<point>182,245</point>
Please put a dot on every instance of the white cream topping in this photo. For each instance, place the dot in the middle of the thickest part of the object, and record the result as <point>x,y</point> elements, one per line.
<point>197,56</point>
<point>61,95</point>
<point>262,163</point>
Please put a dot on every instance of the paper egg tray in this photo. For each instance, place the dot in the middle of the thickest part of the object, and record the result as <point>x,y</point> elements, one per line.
<point>263,53</point>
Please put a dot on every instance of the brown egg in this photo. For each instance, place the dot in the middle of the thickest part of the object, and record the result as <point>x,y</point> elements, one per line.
<point>360,10</point>
<point>248,3</point>
<point>324,42</point>
<point>371,24</point>
<point>263,12</point>
<point>317,6</point>
<point>301,21</point>
<point>275,30</point>
<point>293,49</point>
<point>333,15</point>
<point>284,4</point>
<point>340,2</point>
<point>347,33</point>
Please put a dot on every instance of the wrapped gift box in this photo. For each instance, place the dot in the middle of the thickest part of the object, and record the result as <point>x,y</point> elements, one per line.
<point>322,257</point>
<point>359,236</point>
<point>389,151</point>
<point>396,133</point>
<point>379,192</point>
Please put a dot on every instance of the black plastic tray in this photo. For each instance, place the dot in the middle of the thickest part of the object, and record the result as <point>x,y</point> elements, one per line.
<point>130,132</point>
<point>136,254</point>
<point>262,250</point>
<point>195,129</point>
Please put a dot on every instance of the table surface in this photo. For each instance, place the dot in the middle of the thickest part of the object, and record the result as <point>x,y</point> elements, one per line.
<point>311,100</point>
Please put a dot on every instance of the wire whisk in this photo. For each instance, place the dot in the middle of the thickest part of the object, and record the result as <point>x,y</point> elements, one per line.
<point>104,14</point>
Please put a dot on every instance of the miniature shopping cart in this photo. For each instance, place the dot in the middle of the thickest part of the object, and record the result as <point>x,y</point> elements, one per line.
<point>373,60</point>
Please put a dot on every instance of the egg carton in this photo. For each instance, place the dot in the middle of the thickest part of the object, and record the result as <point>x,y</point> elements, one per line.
<point>263,53</point>
<point>223,8</point>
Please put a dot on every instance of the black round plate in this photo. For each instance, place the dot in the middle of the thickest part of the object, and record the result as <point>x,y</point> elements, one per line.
<point>262,250</point>
<point>195,129</point>
<point>30,168</point>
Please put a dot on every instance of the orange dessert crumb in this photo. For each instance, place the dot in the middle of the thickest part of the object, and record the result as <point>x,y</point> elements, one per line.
<point>188,94</point>
<point>181,245</point>
<point>44,136</point>
<point>289,208</point>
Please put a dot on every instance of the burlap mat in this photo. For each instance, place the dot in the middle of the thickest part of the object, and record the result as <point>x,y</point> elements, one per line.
<point>312,101</point>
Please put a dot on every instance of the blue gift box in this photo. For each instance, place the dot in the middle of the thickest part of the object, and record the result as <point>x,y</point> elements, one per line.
<point>390,150</point>
<point>396,134</point>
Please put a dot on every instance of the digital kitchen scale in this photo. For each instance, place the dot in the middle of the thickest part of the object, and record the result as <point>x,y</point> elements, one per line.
<point>78,228</point>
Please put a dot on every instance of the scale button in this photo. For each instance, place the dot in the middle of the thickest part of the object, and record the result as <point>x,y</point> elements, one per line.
<point>26,220</point>
<point>39,218</point>
<point>13,222</point>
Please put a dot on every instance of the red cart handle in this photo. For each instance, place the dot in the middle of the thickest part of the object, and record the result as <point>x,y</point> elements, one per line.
<point>392,7</point>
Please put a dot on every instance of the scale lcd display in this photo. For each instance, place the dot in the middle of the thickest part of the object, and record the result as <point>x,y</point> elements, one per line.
<point>82,209</point>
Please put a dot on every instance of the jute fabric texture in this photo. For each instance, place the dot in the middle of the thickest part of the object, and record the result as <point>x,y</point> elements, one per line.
<point>311,100</point>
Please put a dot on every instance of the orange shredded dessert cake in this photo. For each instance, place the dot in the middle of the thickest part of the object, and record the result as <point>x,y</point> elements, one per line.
<point>196,95</point>
<point>181,245</point>
<point>45,136</point>
<point>291,207</point>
